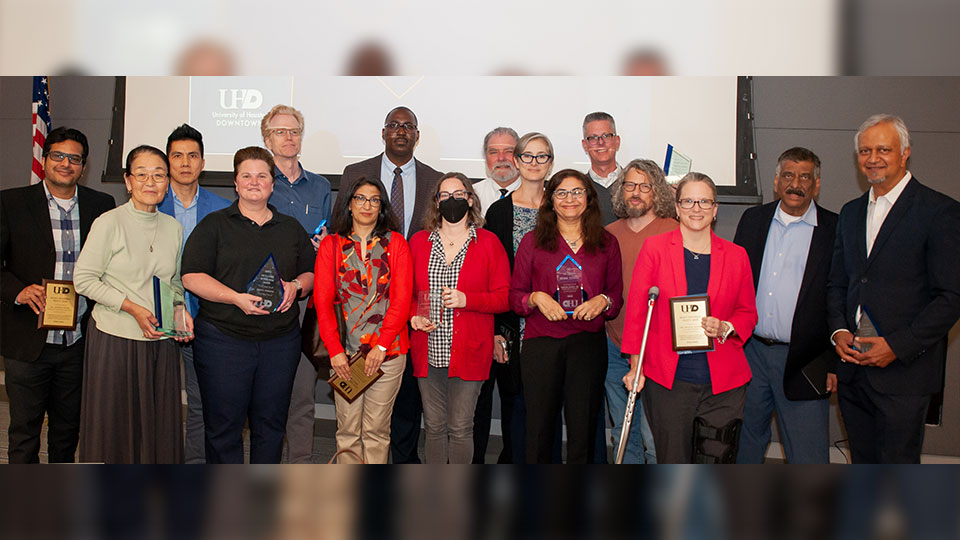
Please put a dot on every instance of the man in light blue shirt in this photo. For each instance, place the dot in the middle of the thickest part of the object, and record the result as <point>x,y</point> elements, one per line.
<point>304,196</point>
<point>189,203</point>
<point>790,245</point>
<point>297,192</point>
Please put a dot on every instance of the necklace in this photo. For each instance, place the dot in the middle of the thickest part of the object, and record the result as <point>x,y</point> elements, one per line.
<point>572,243</point>
<point>448,240</point>
<point>155,227</point>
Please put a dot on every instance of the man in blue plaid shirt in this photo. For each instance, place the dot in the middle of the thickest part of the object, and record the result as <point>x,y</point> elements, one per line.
<point>42,228</point>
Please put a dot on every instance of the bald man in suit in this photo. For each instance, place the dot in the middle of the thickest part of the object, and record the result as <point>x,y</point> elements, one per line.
<point>410,184</point>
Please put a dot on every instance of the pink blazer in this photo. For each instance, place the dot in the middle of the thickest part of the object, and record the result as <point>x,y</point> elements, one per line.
<point>485,280</point>
<point>732,299</point>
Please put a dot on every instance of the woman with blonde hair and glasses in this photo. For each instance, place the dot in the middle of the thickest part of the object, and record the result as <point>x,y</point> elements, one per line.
<point>566,283</point>
<point>693,400</point>
<point>463,276</point>
<point>510,218</point>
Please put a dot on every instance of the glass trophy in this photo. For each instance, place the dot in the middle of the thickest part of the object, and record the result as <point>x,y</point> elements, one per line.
<point>267,285</point>
<point>866,328</point>
<point>569,284</point>
<point>170,310</point>
<point>423,305</point>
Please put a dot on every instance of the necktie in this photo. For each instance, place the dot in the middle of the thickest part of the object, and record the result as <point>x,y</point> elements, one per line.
<point>396,198</point>
<point>503,192</point>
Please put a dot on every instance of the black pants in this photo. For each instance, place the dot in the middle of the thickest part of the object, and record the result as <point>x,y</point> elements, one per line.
<point>569,373</point>
<point>405,420</point>
<point>881,428</point>
<point>506,377</point>
<point>49,385</point>
<point>671,414</point>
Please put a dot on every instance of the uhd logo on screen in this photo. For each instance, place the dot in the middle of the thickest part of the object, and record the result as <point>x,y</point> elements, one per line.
<point>240,98</point>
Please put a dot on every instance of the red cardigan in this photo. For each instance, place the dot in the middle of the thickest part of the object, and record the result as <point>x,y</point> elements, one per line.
<point>485,280</point>
<point>732,299</point>
<point>394,325</point>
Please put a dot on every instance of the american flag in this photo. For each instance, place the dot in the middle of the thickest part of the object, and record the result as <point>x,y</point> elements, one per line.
<point>41,125</point>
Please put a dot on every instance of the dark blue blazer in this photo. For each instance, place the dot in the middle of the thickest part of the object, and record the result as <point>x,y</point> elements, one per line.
<point>809,333</point>
<point>910,285</point>
<point>207,202</point>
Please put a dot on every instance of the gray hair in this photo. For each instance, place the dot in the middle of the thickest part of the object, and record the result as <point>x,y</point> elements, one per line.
<point>530,137</point>
<point>662,194</point>
<point>596,117</point>
<point>881,118</point>
<point>799,154</point>
<point>499,131</point>
<point>696,177</point>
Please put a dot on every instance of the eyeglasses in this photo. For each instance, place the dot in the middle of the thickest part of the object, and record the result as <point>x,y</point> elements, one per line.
<point>597,140</point>
<point>539,158</point>
<point>58,157</point>
<point>395,126</point>
<point>705,204</point>
<point>142,177</point>
<point>282,132</point>
<point>564,193</point>
<point>459,194</point>
<point>632,186</point>
<point>789,176</point>
<point>360,200</point>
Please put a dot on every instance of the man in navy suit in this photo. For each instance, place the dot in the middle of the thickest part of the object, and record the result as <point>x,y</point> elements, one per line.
<point>790,244</point>
<point>42,228</point>
<point>189,204</point>
<point>895,267</point>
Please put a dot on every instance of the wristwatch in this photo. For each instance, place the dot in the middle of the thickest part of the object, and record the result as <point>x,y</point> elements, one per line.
<point>381,347</point>
<point>609,302</point>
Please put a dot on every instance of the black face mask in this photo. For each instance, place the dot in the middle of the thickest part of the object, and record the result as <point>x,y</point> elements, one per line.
<point>453,210</point>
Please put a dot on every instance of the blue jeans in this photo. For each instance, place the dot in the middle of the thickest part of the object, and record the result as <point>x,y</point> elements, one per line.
<point>804,425</point>
<point>244,381</point>
<point>640,447</point>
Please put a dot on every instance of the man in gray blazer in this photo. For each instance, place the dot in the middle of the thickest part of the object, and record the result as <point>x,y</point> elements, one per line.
<point>410,184</point>
<point>404,176</point>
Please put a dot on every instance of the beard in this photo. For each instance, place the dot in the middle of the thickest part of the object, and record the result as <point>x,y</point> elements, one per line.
<point>638,210</point>
<point>503,171</point>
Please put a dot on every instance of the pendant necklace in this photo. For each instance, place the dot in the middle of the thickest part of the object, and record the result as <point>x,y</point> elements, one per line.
<point>156,226</point>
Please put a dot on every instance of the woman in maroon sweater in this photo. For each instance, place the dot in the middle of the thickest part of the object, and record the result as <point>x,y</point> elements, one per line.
<point>463,273</point>
<point>564,354</point>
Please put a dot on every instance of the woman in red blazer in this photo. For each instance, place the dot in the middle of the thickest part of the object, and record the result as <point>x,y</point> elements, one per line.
<point>364,275</point>
<point>693,394</point>
<point>461,279</point>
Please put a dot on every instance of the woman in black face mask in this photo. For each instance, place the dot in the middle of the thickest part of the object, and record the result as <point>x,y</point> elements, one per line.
<point>461,278</point>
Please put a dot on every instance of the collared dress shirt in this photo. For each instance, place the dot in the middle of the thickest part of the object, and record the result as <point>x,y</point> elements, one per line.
<point>408,171</point>
<point>605,181</point>
<point>65,223</point>
<point>488,191</point>
<point>781,273</point>
<point>307,199</point>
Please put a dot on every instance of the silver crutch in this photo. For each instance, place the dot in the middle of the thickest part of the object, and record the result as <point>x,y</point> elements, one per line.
<point>632,399</point>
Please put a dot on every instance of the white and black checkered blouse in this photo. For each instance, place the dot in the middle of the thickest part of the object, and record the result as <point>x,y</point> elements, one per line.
<point>442,275</point>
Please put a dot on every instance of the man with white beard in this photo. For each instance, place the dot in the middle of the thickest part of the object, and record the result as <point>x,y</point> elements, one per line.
<point>502,175</point>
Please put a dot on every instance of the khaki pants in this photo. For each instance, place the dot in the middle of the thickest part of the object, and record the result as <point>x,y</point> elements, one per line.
<point>364,425</point>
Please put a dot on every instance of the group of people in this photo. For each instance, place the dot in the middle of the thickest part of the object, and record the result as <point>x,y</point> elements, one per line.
<point>531,282</point>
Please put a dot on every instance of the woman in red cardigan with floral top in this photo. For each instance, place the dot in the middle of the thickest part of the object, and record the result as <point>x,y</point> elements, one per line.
<point>363,274</point>
<point>464,273</point>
